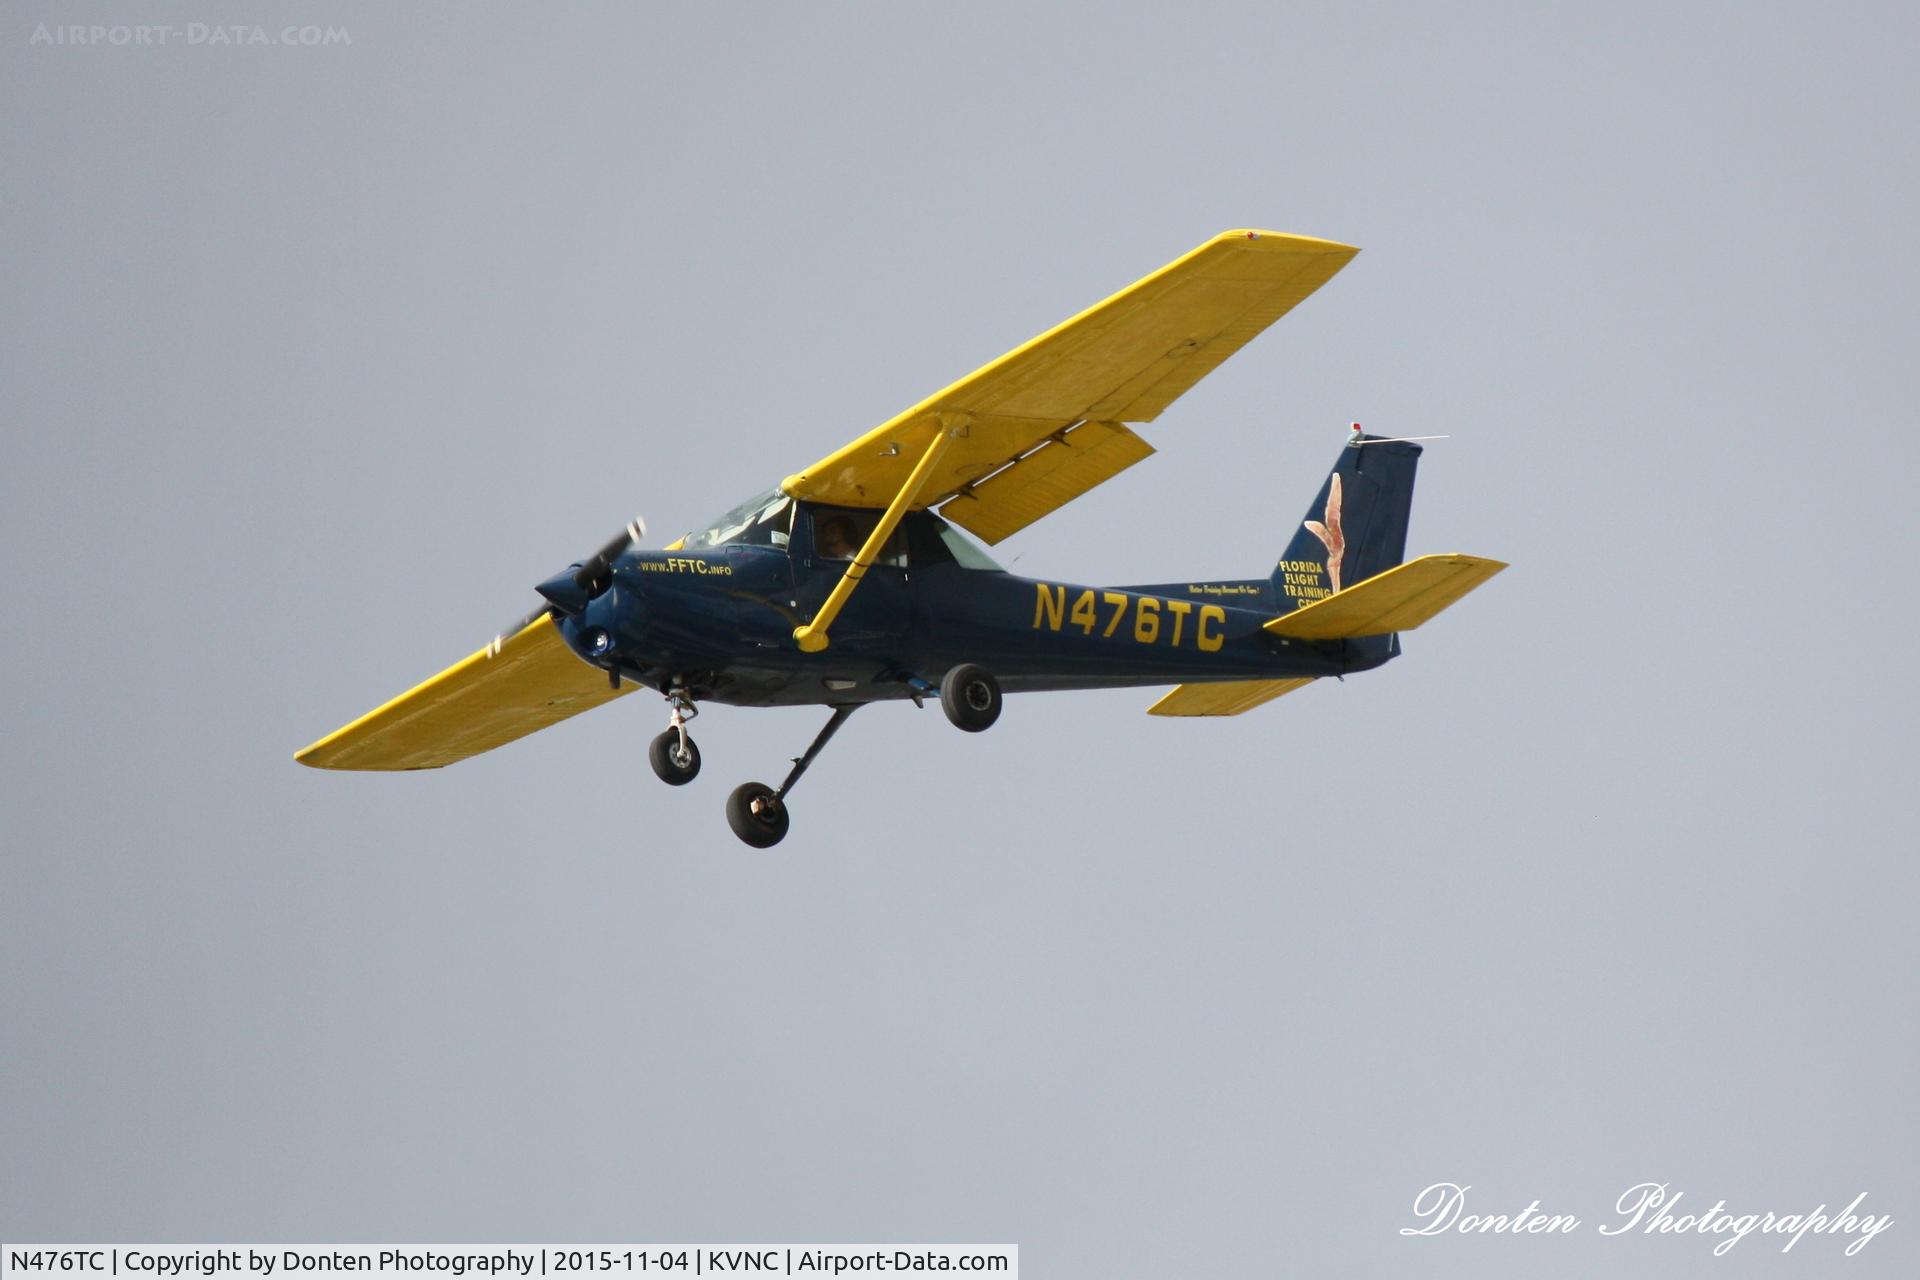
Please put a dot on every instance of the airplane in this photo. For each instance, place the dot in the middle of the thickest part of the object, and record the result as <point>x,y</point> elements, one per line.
<point>850,583</point>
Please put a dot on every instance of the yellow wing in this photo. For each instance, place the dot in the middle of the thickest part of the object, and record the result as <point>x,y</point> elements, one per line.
<point>1042,424</point>
<point>523,682</point>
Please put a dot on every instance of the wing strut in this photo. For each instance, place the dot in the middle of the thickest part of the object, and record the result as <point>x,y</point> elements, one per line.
<point>812,637</point>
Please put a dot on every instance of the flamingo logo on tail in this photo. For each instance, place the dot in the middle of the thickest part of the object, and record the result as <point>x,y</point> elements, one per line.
<point>1330,533</point>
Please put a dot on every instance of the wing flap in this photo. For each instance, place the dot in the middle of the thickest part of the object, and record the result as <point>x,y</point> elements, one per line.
<point>1226,698</point>
<point>1056,473</point>
<point>1122,360</point>
<point>521,683</point>
<point>1398,600</point>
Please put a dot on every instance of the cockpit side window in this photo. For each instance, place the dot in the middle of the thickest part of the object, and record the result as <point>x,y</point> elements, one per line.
<point>840,532</point>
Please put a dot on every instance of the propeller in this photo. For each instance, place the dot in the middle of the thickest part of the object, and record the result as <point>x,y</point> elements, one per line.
<point>572,590</point>
<point>596,575</point>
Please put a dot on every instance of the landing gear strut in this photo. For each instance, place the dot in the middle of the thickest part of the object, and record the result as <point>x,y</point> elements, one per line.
<point>756,812</point>
<point>675,760</point>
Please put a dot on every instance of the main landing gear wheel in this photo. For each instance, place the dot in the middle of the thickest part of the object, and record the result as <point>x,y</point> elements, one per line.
<point>757,815</point>
<point>756,812</point>
<point>971,697</point>
<point>675,762</point>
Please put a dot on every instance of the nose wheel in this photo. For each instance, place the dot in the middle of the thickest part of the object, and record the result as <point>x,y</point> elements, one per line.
<point>675,760</point>
<point>674,757</point>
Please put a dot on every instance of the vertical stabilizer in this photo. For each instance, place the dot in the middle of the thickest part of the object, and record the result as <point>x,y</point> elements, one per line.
<point>1356,526</point>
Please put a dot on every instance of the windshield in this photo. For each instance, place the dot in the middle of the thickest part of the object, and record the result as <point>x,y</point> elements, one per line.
<point>764,520</point>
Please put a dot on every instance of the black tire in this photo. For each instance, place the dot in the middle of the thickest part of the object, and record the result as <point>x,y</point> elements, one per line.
<point>763,829</point>
<point>971,697</point>
<point>673,766</point>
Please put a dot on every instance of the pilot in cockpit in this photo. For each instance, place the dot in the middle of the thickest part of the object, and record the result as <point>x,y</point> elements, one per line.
<point>833,538</point>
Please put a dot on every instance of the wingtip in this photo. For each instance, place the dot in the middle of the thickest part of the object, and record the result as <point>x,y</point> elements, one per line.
<point>1486,563</point>
<point>1256,238</point>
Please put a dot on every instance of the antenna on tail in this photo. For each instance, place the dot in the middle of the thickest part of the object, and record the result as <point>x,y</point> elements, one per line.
<point>1357,440</point>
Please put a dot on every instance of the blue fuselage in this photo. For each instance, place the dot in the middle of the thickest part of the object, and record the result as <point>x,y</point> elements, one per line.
<point>720,620</point>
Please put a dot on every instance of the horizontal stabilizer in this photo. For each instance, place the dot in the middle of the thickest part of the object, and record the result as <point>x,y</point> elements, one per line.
<point>1227,698</point>
<point>1398,600</point>
<point>520,683</point>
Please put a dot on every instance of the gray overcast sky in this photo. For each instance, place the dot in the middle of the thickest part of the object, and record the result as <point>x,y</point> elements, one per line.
<point>314,360</point>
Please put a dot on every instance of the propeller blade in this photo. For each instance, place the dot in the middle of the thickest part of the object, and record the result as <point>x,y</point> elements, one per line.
<point>515,628</point>
<point>595,575</point>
